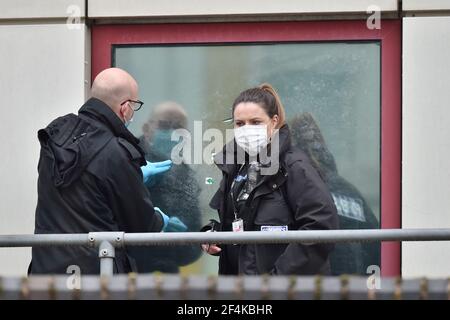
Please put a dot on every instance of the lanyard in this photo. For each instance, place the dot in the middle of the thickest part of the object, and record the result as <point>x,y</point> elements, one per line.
<point>231,192</point>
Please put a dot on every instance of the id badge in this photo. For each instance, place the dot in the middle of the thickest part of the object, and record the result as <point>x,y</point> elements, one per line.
<point>238,225</point>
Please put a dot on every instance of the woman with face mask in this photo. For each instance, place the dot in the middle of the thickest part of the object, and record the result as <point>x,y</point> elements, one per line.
<point>253,196</point>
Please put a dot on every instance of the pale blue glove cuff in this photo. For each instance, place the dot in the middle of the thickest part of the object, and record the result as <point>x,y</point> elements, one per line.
<point>165,218</point>
<point>175,225</point>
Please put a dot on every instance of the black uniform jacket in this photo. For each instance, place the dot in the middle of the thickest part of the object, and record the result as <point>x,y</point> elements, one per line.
<point>89,180</point>
<point>296,197</point>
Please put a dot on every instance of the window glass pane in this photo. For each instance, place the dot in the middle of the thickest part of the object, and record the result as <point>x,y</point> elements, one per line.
<point>331,92</point>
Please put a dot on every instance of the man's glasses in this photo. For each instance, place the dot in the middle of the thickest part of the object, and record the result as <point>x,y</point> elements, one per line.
<point>135,104</point>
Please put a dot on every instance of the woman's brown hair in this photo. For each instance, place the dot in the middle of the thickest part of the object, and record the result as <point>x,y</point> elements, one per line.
<point>265,96</point>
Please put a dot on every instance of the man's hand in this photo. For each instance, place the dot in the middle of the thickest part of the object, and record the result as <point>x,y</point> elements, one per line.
<point>154,168</point>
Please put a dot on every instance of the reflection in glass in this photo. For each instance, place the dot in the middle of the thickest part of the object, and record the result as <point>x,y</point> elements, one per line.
<point>337,82</point>
<point>176,192</point>
<point>352,208</point>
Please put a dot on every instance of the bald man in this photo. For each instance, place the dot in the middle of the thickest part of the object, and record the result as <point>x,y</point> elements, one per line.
<point>90,178</point>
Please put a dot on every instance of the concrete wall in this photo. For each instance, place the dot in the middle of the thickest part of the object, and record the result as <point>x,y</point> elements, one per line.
<point>32,9</point>
<point>42,76</point>
<point>425,5</point>
<point>426,143</point>
<point>145,8</point>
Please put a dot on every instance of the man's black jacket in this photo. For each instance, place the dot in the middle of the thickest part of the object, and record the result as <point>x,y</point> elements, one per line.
<point>89,180</point>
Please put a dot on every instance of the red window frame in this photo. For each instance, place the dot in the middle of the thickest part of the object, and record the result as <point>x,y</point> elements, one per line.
<point>105,36</point>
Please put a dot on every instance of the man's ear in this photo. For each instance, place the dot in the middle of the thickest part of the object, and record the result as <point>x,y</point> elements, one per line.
<point>123,110</point>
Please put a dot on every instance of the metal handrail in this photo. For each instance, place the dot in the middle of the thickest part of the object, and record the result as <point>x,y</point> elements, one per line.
<point>106,242</point>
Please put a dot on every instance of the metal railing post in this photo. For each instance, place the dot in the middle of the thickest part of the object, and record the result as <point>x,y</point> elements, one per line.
<point>106,242</point>
<point>106,253</point>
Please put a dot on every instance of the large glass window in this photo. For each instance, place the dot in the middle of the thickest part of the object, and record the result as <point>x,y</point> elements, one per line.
<point>331,93</point>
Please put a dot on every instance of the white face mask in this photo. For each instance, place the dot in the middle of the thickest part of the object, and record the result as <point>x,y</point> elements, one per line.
<point>251,138</point>
<point>128,122</point>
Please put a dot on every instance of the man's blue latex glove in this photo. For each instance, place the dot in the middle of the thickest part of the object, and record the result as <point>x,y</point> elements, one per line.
<point>171,224</point>
<point>154,168</point>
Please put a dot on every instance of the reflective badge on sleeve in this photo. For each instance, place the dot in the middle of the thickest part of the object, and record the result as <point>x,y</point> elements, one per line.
<point>349,207</point>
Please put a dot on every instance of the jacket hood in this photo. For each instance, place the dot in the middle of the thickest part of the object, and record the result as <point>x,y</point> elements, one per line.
<point>71,142</point>
<point>98,110</point>
<point>307,136</point>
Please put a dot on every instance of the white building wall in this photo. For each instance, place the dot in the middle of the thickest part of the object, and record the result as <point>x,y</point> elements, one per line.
<point>31,9</point>
<point>158,8</point>
<point>425,5</point>
<point>426,142</point>
<point>42,76</point>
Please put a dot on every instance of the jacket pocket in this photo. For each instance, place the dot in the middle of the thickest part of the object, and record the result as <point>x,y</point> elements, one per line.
<point>273,211</point>
<point>267,255</point>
